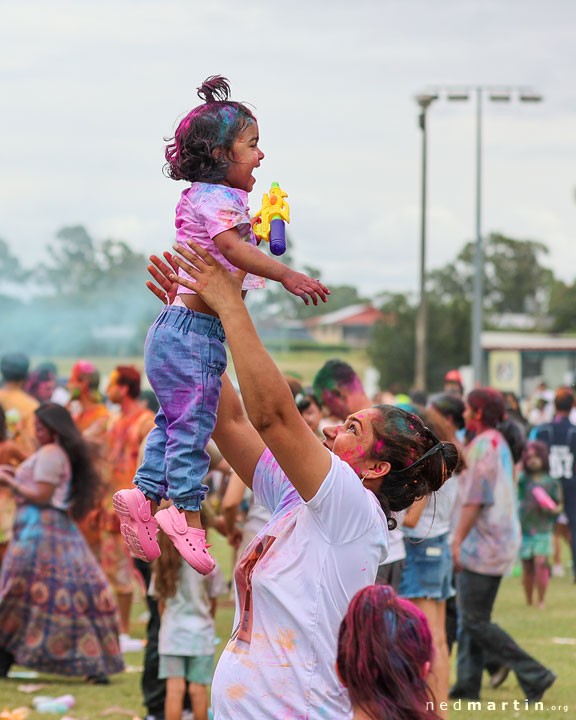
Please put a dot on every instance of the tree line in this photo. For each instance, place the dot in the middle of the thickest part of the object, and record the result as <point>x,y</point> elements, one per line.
<point>88,298</point>
<point>516,281</point>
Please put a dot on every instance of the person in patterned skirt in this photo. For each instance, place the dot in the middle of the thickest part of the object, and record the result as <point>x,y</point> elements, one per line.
<point>57,612</point>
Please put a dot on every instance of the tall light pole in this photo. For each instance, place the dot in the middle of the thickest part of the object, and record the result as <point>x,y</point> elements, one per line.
<point>497,94</point>
<point>424,101</point>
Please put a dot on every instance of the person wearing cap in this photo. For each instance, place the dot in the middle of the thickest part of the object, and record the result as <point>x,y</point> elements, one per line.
<point>453,383</point>
<point>18,405</point>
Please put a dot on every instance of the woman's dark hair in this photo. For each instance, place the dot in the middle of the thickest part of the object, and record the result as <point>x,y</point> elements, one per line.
<point>541,450</point>
<point>515,436</point>
<point>85,483</point>
<point>450,406</point>
<point>420,462</point>
<point>384,643</point>
<point>167,568</point>
<point>201,146</point>
<point>3,430</point>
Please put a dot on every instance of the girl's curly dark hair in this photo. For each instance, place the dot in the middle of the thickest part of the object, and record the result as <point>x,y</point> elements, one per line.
<point>201,146</point>
<point>166,568</point>
<point>420,462</point>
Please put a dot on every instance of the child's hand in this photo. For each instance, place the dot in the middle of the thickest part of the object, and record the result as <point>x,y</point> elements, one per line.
<point>301,285</point>
<point>161,272</point>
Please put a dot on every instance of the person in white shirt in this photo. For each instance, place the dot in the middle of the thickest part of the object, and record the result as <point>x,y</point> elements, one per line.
<point>329,527</point>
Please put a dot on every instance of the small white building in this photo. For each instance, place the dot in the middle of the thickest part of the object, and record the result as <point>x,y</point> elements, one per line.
<point>518,361</point>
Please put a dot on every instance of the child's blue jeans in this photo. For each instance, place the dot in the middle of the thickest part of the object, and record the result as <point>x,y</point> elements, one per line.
<point>185,358</point>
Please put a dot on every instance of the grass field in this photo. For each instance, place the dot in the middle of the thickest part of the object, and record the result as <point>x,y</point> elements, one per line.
<point>549,635</point>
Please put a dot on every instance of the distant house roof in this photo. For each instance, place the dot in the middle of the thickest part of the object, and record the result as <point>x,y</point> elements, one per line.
<point>353,315</point>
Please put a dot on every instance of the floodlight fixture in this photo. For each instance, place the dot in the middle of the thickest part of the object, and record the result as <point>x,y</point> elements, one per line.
<point>425,99</point>
<point>531,97</point>
<point>500,96</point>
<point>462,93</point>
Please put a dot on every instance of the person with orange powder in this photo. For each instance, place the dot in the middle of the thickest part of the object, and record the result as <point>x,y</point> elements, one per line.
<point>120,451</point>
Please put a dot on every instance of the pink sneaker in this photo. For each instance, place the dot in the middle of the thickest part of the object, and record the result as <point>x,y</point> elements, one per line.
<point>190,542</point>
<point>137,524</point>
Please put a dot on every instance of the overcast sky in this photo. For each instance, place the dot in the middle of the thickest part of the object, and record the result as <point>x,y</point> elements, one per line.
<point>89,90</point>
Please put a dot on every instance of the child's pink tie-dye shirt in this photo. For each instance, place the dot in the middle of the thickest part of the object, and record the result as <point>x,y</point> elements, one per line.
<point>206,210</point>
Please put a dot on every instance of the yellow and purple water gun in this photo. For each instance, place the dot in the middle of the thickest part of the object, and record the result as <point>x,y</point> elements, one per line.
<point>271,219</point>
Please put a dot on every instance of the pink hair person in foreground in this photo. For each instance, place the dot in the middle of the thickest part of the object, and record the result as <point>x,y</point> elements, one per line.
<point>384,655</point>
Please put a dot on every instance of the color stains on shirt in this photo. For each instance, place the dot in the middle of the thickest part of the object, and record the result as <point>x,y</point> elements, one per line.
<point>236,692</point>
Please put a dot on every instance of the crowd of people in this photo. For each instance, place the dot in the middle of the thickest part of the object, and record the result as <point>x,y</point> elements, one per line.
<point>436,542</point>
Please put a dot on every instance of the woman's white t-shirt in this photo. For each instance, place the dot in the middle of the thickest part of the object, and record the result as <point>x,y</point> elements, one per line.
<point>293,587</point>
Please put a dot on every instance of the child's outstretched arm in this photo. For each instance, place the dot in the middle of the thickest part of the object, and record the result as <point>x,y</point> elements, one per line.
<point>249,258</point>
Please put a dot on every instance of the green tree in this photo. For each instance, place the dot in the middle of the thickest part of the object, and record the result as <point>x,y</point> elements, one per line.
<point>74,267</point>
<point>391,350</point>
<point>515,280</point>
<point>562,308</point>
<point>393,345</point>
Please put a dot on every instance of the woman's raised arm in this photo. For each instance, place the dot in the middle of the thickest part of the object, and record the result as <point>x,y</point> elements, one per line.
<point>236,438</point>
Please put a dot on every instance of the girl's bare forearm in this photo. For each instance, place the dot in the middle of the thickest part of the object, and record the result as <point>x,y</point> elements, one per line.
<point>249,258</point>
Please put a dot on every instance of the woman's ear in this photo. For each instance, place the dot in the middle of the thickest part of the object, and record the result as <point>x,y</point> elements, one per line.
<point>373,477</point>
<point>378,469</point>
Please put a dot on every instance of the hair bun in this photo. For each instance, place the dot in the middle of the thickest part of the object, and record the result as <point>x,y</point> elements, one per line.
<point>215,88</point>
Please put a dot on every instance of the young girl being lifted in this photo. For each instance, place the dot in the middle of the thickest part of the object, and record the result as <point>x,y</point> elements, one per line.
<point>215,148</point>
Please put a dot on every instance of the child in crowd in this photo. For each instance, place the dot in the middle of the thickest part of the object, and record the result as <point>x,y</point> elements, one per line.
<point>539,495</point>
<point>187,605</point>
<point>215,148</point>
<point>384,655</point>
